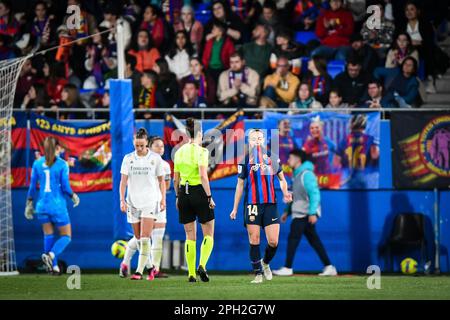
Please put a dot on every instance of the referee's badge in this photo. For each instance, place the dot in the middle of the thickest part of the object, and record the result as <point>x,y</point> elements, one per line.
<point>239,169</point>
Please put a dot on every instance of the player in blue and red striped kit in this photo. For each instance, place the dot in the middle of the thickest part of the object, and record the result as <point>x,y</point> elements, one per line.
<point>257,175</point>
<point>52,173</point>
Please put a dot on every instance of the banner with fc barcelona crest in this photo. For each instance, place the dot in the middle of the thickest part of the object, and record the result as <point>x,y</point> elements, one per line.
<point>421,150</point>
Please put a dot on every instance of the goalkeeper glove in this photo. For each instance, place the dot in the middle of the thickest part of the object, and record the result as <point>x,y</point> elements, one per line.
<point>75,200</point>
<point>29,210</point>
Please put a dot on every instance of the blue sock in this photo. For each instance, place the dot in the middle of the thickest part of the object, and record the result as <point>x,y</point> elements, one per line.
<point>59,247</point>
<point>49,240</point>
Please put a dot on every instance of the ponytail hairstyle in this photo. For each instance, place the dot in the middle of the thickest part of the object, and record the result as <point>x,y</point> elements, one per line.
<point>141,134</point>
<point>50,144</point>
<point>193,127</point>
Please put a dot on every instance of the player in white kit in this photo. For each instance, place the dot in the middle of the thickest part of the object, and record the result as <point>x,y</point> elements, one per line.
<point>142,177</point>
<point>156,144</point>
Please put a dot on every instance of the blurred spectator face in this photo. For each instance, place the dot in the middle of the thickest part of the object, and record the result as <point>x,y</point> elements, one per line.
<point>259,32</point>
<point>402,41</point>
<point>105,100</point>
<point>334,99</point>
<point>73,2</point>
<point>268,14</point>
<point>146,81</point>
<point>374,90</point>
<point>335,5</point>
<point>46,70</point>
<point>408,67</point>
<point>40,11</point>
<point>218,11</point>
<point>353,70</point>
<point>283,67</point>
<point>4,11</point>
<point>315,129</point>
<point>190,91</point>
<point>142,39</point>
<point>236,64</point>
<point>357,45</point>
<point>411,12</point>
<point>27,66</point>
<point>187,16</point>
<point>293,161</point>
<point>303,92</point>
<point>217,31</point>
<point>149,15</point>
<point>32,93</point>
<point>65,95</point>
<point>282,41</point>
<point>181,40</point>
<point>196,67</point>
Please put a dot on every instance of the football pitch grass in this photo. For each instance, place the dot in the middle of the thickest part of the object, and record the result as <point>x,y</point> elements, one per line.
<point>223,287</point>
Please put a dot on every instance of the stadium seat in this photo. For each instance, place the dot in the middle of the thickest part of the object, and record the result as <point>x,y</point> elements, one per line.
<point>408,233</point>
<point>335,67</point>
<point>203,16</point>
<point>305,36</point>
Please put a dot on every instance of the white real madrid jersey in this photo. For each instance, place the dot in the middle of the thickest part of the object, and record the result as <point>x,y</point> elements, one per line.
<point>143,189</point>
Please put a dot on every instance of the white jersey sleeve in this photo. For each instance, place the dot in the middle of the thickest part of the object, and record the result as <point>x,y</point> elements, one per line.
<point>159,169</point>
<point>125,164</point>
<point>167,171</point>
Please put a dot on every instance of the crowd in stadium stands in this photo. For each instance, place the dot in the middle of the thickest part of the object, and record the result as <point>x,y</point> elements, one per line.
<point>293,54</point>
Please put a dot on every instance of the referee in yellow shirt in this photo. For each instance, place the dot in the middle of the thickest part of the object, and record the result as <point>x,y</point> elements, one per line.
<point>194,200</point>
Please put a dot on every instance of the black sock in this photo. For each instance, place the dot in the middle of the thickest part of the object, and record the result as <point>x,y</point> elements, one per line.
<point>255,258</point>
<point>269,254</point>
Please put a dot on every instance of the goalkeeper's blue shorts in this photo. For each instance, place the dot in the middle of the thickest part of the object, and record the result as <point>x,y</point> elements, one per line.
<point>59,220</point>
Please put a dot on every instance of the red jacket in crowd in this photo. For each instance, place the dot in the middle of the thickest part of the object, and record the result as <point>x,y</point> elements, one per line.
<point>225,53</point>
<point>339,34</point>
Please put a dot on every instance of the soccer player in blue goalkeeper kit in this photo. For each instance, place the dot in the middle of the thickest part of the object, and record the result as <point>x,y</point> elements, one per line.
<point>52,173</point>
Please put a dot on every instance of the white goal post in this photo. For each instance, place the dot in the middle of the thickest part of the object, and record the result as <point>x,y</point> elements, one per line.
<point>9,74</point>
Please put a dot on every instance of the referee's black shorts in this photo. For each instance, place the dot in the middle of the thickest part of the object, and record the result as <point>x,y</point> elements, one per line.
<point>194,205</point>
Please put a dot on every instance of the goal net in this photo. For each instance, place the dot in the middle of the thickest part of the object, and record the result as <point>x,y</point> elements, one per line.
<point>9,74</point>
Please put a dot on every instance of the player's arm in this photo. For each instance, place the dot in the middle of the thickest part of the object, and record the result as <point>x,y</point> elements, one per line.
<point>33,182</point>
<point>29,210</point>
<point>162,183</point>
<point>65,185</point>
<point>237,197</point>
<point>162,187</point>
<point>122,189</point>
<point>203,171</point>
<point>287,196</point>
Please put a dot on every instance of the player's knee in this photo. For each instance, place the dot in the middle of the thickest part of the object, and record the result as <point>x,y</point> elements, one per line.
<point>254,239</point>
<point>273,243</point>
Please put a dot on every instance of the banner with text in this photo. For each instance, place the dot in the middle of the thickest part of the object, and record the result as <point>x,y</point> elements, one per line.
<point>86,147</point>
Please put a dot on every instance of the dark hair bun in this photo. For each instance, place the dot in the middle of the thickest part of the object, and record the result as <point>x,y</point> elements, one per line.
<point>141,133</point>
<point>190,122</point>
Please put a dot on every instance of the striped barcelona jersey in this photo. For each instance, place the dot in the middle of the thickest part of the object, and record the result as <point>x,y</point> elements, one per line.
<point>355,151</point>
<point>259,171</point>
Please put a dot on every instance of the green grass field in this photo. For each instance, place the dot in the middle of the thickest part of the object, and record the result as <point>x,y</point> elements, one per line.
<point>107,286</point>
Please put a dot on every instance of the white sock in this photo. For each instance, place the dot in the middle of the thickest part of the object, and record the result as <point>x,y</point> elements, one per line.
<point>131,249</point>
<point>144,254</point>
<point>157,245</point>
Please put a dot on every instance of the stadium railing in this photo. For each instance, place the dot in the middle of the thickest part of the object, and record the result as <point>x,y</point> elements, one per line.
<point>203,112</point>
